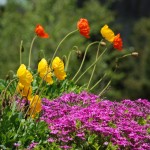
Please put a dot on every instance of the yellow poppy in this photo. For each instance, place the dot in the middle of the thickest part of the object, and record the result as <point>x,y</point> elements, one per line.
<point>21,71</point>
<point>58,67</point>
<point>26,79</point>
<point>24,90</point>
<point>35,106</point>
<point>45,71</point>
<point>48,78</point>
<point>42,66</point>
<point>107,33</point>
<point>24,75</point>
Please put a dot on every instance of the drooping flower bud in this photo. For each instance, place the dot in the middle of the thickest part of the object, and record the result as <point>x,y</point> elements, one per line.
<point>135,54</point>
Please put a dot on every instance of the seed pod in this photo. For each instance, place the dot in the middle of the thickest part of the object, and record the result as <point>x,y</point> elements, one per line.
<point>102,43</point>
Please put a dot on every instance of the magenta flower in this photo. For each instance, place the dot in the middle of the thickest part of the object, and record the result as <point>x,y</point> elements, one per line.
<point>70,116</point>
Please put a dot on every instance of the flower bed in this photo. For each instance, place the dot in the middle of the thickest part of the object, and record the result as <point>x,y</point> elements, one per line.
<point>86,118</point>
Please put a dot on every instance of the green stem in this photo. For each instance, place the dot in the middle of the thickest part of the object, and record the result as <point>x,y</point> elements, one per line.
<point>68,60</point>
<point>62,42</point>
<point>117,60</point>
<point>64,59</point>
<point>22,122</point>
<point>100,94</point>
<point>91,65</point>
<point>84,58</point>
<point>4,92</point>
<point>21,52</point>
<point>94,67</point>
<point>97,82</point>
<point>29,63</point>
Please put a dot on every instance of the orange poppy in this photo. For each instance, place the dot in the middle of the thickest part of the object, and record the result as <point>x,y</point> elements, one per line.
<point>117,43</point>
<point>39,30</point>
<point>83,27</point>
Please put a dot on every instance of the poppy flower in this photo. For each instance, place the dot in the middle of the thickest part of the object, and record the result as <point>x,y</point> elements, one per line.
<point>24,75</point>
<point>45,71</point>
<point>42,66</point>
<point>117,43</point>
<point>83,27</point>
<point>39,30</point>
<point>21,71</point>
<point>109,35</point>
<point>35,105</point>
<point>24,90</point>
<point>58,67</point>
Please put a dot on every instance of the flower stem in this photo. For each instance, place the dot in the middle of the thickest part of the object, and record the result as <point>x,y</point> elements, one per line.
<point>62,42</point>
<point>97,82</point>
<point>68,59</point>
<point>91,65</point>
<point>84,58</point>
<point>116,67</point>
<point>126,55</point>
<point>29,63</point>
<point>100,94</point>
<point>21,47</point>
<point>3,93</point>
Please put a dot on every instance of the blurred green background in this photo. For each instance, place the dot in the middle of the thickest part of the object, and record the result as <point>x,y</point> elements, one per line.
<point>18,19</point>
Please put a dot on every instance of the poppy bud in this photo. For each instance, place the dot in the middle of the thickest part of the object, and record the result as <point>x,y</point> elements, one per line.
<point>102,43</point>
<point>135,54</point>
<point>79,54</point>
<point>22,49</point>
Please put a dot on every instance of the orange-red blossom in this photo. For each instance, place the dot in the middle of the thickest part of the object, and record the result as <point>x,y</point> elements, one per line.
<point>83,27</point>
<point>39,30</point>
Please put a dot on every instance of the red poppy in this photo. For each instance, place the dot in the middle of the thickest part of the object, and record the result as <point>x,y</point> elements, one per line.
<point>117,43</point>
<point>39,30</point>
<point>83,27</point>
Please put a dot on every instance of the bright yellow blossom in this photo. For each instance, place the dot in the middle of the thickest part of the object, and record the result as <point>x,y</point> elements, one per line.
<point>26,79</point>
<point>107,33</point>
<point>48,78</point>
<point>25,91</point>
<point>45,71</point>
<point>42,66</point>
<point>24,75</point>
<point>21,71</point>
<point>58,67</point>
<point>35,105</point>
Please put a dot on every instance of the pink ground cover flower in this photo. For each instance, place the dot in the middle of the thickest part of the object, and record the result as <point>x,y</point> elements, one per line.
<point>72,116</point>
